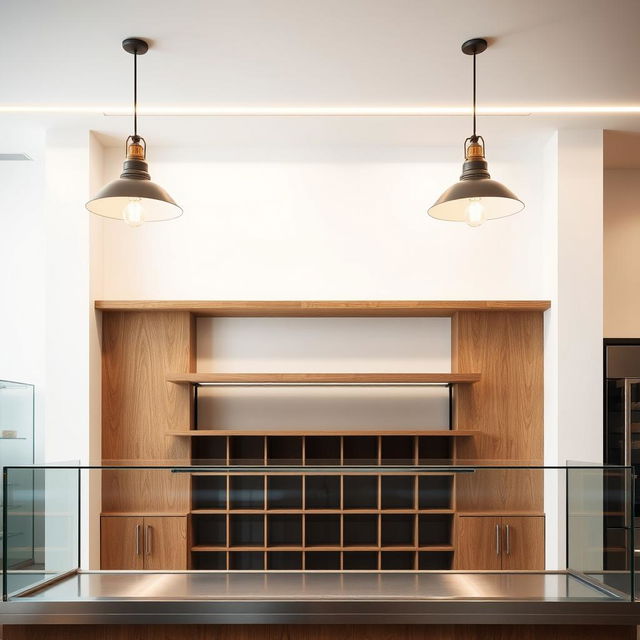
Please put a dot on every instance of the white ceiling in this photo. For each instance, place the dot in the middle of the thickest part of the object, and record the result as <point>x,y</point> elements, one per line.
<point>320,53</point>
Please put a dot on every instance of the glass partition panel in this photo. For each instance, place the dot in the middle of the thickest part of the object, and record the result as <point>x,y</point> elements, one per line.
<point>48,499</point>
<point>600,534</point>
<point>16,447</point>
<point>16,422</point>
<point>396,516</point>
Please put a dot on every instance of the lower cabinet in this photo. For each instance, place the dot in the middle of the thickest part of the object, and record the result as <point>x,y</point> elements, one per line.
<point>499,542</point>
<point>143,542</point>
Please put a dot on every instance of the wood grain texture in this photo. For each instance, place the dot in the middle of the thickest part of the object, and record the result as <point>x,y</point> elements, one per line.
<point>319,632</point>
<point>477,546</point>
<point>322,308</point>
<point>506,406</point>
<point>139,406</point>
<point>509,543</point>
<point>325,378</point>
<point>167,543</point>
<point>500,490</point>
<point>139,491</point>
<point>523,543</point>
<point>121,543</point>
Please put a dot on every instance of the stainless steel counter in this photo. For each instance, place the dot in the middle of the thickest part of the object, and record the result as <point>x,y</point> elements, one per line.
<point>299,586</point>
<point>320,598</point>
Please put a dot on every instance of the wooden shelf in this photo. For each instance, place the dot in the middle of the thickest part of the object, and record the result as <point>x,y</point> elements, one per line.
<point>323,378</point>
<point>323,308</point>
<point>446,433</point>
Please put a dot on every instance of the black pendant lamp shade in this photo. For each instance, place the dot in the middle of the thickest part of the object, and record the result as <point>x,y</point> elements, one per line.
<point>476,197</point>
<point>133,197</point>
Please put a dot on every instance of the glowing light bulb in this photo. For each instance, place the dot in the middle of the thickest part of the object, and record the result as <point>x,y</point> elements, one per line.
<point>474,214</point>
<point>133,213</point>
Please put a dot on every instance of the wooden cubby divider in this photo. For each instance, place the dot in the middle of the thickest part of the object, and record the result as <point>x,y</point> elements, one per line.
<point>323,520</point>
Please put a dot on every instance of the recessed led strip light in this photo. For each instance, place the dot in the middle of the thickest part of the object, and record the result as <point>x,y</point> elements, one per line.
<point>215,111</point>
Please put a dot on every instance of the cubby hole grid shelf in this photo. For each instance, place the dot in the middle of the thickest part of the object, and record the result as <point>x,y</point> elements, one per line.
<point>322,520</point>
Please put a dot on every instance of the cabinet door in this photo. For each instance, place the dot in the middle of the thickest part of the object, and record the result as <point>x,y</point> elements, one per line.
<point>165,542</point>
<point>523,542</point>
<point>478,542</point>
<point>121,542</point>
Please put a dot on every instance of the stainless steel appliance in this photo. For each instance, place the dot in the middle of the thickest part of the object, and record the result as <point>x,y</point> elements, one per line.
<point>621,436</point>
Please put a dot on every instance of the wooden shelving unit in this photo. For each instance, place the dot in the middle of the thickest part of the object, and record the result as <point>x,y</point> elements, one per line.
<point>332,519</point>
<point>320,518</point>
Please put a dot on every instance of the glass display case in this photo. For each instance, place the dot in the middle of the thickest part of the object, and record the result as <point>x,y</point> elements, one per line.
<point>17,448</point>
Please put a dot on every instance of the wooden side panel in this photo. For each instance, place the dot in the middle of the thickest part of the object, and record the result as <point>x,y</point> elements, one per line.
<point>501,491</point>
<point>506,406</point>
<point>121,543</point>
<point>319,632</point>
<point>523,543</point>
<point>139,406</point>
<point>145,491</point>
<point>478,543</point>
<point>166,543</point>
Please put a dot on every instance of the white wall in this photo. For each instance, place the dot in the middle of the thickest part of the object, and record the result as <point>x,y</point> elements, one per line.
<point>324,344</point>
<point>67,295</point>
<point>580,295</point>
<point>573,331</point>
<point>22,265</point>
<point>621,256</point>
<point>71,332</point>
<point>324,224</point>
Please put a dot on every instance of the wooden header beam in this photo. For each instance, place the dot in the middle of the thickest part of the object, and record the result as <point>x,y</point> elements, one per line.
<point>326,308</point>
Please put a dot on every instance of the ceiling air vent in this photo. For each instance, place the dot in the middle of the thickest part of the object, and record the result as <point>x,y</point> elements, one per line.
<point>14,157</point>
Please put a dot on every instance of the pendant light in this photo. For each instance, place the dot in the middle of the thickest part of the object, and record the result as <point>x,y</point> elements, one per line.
<point>133,197</point>
<point>476,197</point>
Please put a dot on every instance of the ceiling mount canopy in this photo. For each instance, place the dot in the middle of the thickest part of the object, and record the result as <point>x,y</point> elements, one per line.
<point>476,197</point>
<point>133,197</point>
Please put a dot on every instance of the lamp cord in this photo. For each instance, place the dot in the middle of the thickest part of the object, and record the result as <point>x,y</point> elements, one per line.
<point>474,96</point>
<point>135,94</point>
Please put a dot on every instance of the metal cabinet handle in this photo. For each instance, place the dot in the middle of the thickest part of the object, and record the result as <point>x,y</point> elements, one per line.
<point>147,540</point>
<point>508,533</point>
<point>138,531</point>
<point>627,446</point>
<point>497,539</point>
